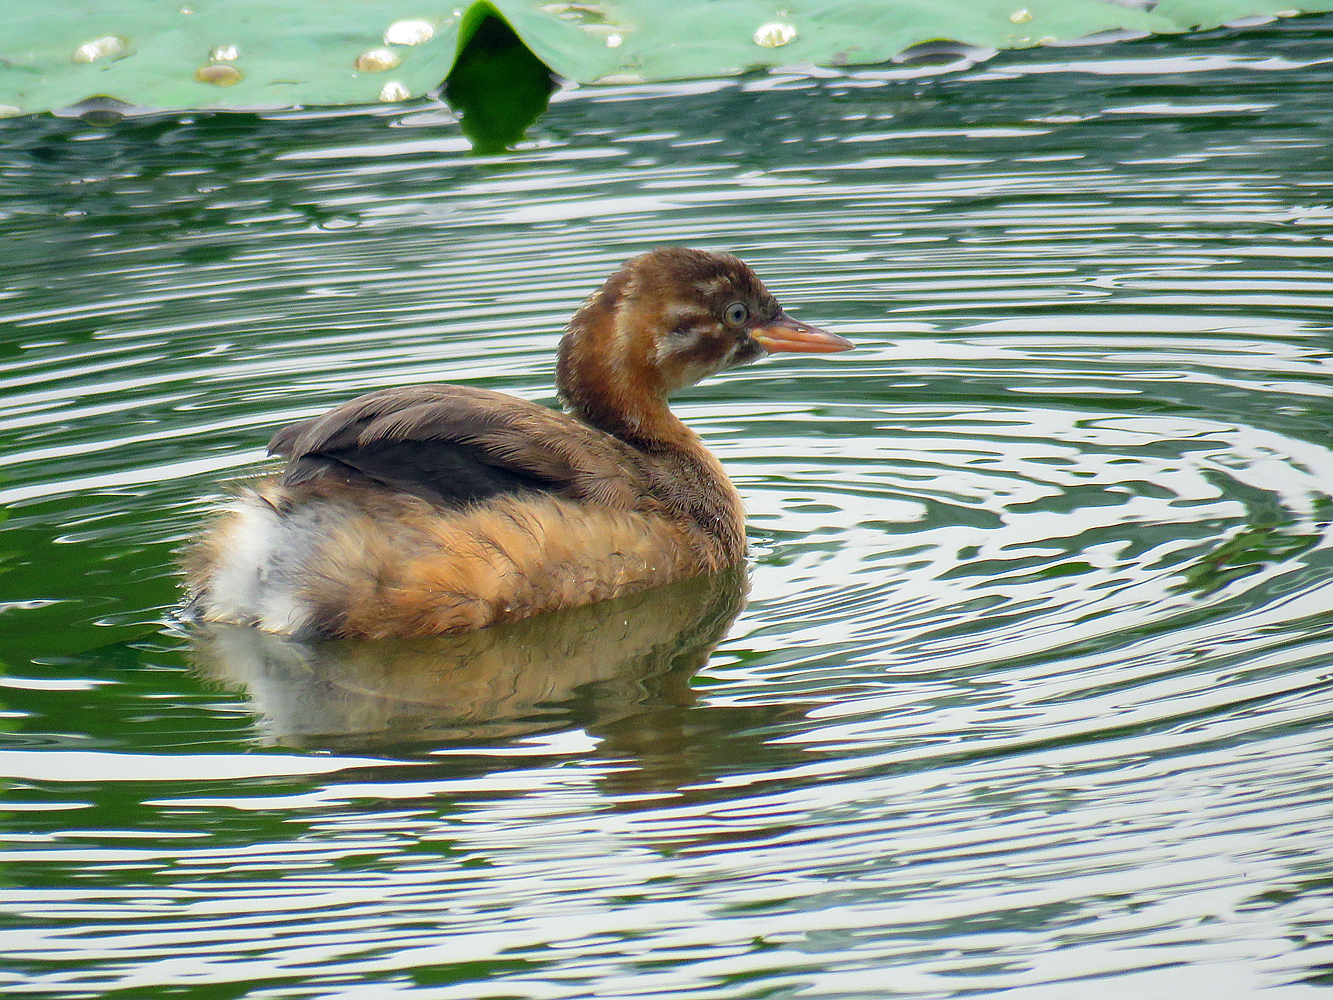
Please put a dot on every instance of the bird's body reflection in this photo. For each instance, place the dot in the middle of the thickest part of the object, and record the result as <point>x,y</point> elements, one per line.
<point>589,667</point>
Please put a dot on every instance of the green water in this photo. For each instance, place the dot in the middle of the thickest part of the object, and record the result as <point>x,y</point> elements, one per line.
<point>1033,686</point>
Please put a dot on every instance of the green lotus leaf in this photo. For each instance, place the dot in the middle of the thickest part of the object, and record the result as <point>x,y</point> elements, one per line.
<point>252,54</point>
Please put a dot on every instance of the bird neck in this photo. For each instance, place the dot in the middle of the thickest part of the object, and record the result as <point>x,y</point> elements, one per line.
<point>608,382</point>
<point>606,375</point>
<point>640,420</point>
<point>679,472</point>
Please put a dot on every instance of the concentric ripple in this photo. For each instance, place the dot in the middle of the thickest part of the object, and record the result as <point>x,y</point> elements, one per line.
<point>1033,689</point>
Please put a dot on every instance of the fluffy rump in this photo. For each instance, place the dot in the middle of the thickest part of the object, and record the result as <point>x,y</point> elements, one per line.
<point>342,560</point>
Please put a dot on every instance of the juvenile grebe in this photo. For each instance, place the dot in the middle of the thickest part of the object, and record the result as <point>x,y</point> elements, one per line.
<point>447,508</point>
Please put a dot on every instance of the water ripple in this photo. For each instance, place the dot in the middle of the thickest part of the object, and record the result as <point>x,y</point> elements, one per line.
<point>1032,690</point>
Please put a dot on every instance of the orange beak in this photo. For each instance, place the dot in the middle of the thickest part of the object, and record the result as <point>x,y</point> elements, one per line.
<point>785,334</point>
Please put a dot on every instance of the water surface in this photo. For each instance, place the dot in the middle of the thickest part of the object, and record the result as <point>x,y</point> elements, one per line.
<point>1033,684</point>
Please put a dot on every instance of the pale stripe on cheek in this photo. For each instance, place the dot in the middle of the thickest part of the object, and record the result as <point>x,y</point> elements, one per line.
<point>678,311</point>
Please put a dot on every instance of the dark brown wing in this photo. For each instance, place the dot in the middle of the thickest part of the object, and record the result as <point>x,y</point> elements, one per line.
<point>456,445</point>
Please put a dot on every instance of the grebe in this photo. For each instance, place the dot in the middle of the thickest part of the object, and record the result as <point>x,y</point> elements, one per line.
<point>446,508</point>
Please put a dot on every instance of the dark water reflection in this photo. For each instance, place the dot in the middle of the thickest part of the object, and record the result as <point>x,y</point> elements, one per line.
<point>587,668</point>
<point>1033,686</point>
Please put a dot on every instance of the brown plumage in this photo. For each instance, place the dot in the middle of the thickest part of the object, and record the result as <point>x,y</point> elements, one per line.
<point>446,508</point>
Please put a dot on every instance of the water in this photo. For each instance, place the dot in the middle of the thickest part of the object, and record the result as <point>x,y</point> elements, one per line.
<point>1032,688</point>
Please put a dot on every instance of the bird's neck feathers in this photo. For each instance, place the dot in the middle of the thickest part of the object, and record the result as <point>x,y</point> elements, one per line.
<point>608,376</point>
<point>606,371</point>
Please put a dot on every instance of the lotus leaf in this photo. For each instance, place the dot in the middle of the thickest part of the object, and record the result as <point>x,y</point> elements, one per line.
<point>251,54</point>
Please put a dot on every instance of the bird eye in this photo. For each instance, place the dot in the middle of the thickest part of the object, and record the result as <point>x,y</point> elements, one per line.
<point>736,314</point>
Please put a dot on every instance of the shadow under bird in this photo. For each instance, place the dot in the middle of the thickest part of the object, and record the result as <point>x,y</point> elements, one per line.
<point>447,508</point>
<point>618,670</point>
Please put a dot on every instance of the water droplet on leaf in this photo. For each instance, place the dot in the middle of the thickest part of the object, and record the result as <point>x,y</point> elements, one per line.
<point>1021,16</point>
<point>773,34</point>
<point>218,74</point>
<point>377,60</point>
<point>409,33</point>
<point>394,91</point>
<point>225,53</point>
<point>106,47</point>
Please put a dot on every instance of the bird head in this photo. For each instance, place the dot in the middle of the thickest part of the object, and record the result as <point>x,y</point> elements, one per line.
<point>669,318</point>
